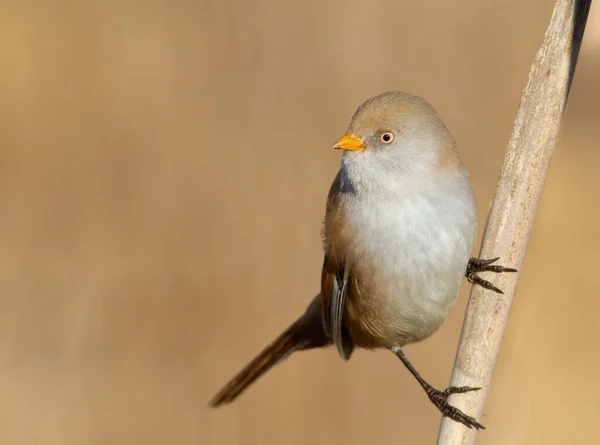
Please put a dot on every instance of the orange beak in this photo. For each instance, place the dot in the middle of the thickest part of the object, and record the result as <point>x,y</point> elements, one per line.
<point>350,142</point>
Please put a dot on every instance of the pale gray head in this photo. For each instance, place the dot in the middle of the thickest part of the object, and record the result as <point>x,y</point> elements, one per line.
<point>396,139</point>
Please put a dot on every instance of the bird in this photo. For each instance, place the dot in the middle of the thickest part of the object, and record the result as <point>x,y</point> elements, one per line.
<point>400,223</point>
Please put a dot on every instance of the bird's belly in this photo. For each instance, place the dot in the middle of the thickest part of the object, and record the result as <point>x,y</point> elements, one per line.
<point>406,277</point>
<point>404,312</point>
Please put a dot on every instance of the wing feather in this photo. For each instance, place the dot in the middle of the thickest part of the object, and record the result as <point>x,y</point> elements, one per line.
<point>333,290</point>
<point>335,275</point>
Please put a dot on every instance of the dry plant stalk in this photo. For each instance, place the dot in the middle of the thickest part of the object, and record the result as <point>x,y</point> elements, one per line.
<point>513,210</point>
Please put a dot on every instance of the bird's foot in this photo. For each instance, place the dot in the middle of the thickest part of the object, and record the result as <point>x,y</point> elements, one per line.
<point>440,400</point>
<point>476,265</point>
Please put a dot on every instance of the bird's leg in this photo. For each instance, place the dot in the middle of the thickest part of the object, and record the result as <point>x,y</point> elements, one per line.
<point>439,398</point>
<point>476,265</point>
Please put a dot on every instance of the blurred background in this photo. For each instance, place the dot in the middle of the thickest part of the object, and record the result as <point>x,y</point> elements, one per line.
<point>163,172</point>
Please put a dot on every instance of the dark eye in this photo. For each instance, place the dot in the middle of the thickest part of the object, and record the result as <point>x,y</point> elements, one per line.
<point>387,137</point>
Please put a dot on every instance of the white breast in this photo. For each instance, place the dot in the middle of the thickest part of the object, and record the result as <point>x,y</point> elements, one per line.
<point>418,244</point>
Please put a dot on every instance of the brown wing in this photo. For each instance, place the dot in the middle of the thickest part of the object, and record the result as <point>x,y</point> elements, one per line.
<point>327,284</point>
<point>334,278</point>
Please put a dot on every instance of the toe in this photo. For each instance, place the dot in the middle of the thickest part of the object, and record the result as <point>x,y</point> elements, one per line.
<point>460,417</point>
<point>460,389</point>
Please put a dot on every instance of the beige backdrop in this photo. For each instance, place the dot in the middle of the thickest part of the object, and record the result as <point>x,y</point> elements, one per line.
<point>163,171</point>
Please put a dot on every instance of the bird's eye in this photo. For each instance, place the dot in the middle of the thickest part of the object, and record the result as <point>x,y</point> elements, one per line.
<point>387,137</point>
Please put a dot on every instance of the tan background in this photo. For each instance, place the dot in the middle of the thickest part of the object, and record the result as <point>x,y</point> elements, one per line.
<point>163,170</point>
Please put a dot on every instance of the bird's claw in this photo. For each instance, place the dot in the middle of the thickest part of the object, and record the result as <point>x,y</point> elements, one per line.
<point>440,400</point>
<point>476,265</point>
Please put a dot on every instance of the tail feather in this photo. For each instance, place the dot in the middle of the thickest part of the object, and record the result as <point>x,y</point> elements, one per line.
<point>306,333</point>
<point>277,351</point>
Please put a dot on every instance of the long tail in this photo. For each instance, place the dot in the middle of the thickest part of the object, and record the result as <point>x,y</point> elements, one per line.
<point>276,351</point>
<point>306,333</point>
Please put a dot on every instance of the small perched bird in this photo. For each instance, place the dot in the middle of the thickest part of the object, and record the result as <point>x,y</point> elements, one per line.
<point>400,223</point>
